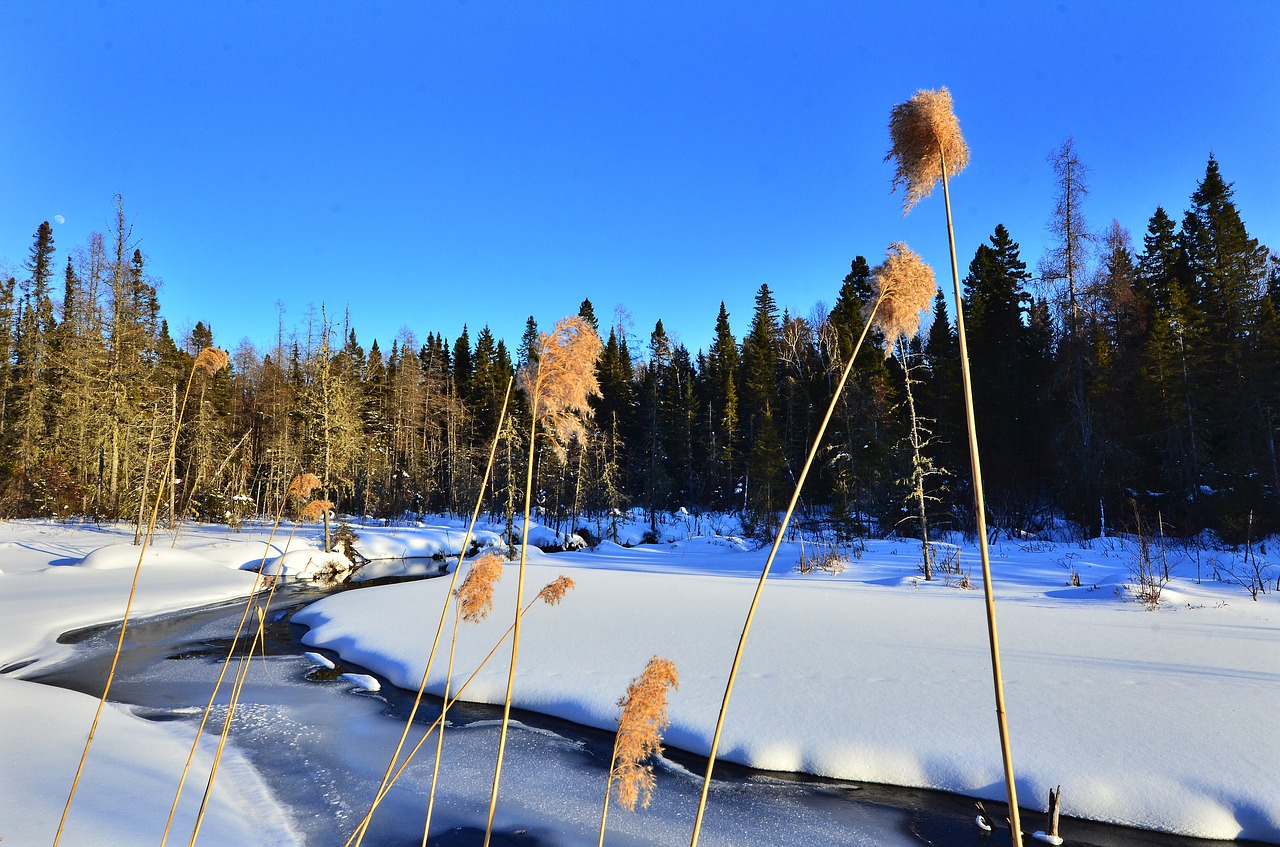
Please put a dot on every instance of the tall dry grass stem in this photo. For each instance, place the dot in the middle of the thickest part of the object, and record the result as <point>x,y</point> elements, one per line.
<point>886,291</point>
<point>550,595</point>
<point>435,644</point>
<point>301,487</point>
<point>207,358</point>
<point>639,737</point>
<point>558,383</point>
<point>475,602</point>
<point>927,146</point>
<point>237,687</point>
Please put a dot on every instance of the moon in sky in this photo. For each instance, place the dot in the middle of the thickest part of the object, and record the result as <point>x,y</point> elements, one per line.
<point>59,220</point>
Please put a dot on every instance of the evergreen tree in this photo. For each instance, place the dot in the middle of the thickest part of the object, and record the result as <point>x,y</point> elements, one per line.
<point>765,457</point>
<point>33,369</point>
<point>462,365</point>
<point>718,425</point>
<point>998,310</point>
<point>588,313</point>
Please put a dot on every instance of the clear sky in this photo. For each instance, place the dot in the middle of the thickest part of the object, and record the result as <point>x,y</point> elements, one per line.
<point>428,164</point>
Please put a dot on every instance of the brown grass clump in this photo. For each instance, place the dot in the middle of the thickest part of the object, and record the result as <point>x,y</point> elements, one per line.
<point>921,129</point>
<point>302,486</point>
<point>561,378</point>
<point>904,287</point>
<point>211,360</point>
<point>475,595</point>
<point>314,510</point>
<point>553,592</point>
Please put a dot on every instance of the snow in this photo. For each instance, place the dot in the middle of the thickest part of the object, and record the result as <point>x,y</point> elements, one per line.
<point>1148,718</point>
<point>63,577</point>
<point>1151,718</point>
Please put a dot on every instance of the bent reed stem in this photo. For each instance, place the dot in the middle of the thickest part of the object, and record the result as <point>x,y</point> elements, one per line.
<point>764,573</point>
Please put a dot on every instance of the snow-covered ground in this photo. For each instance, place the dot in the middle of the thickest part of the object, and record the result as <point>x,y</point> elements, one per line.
<point>1160,718</point>
<point>58,578</point>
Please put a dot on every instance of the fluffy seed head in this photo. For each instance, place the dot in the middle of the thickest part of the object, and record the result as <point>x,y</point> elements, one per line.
<point>640,726</point>
<point>553,592</point>
<point>904,286</point>
<point>475,595</point>
<point>211,360</point>
<point>302,485</point>
<point>314,510</point>
<point>561,377</point>
<point>921,129</point>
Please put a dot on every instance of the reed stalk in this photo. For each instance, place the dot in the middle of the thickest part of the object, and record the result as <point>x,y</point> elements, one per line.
<point>551,594</point>
<point>444,610</point>
<point>242,674</point>
<point>558,383</point>
<point>975,461</point>
<point>768,564</point>
<point>928,146</point>
<point>210,360</point>
<point>302,486</point>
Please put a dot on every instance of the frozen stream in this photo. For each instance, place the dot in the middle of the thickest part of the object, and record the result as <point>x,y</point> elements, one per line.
<point>322,745</point>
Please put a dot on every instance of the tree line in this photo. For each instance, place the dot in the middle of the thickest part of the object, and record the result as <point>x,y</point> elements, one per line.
<point>1121,386</point>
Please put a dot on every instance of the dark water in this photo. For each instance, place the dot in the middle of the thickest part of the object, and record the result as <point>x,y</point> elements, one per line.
<point>322,746</point>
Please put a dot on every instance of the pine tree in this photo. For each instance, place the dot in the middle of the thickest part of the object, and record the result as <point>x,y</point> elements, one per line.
<point>766,458</point>
<point>998,310</point>
<point>718,416</point>
<point>33,372</point>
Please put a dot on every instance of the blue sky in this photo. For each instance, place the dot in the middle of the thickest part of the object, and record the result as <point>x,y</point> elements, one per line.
<point>423,165</point>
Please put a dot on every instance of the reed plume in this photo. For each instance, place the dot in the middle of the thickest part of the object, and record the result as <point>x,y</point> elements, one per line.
<point>475,595</point>
<point>302,485</point>
<point>210,360</point>
<point>639,737</point>
<point>928,147</point>
<point>904,285</point>
<point>922,129</point>
<point>314,510</point>
<point>553,592</point>
<point>558,381</point>
<point>561,379</point>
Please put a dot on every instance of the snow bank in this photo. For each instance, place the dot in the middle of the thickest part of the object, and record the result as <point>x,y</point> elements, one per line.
<point>123,798</point>
<point>1148,719</point>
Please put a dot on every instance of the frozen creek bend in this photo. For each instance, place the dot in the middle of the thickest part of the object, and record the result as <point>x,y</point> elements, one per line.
<point>322,745</point>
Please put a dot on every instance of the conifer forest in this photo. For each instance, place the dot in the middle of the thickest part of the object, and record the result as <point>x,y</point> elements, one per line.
<point>1121,382</point>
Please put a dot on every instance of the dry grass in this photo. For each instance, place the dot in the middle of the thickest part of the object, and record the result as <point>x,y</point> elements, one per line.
<point>904,286</point>
<point>314,510</point>
<point>922,129</point>
<point>475,595</point>
<point>644,717</point>
<point>560,380</point>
